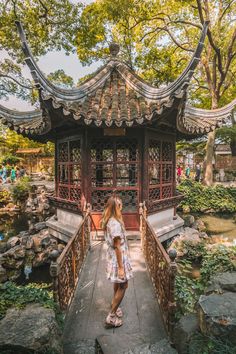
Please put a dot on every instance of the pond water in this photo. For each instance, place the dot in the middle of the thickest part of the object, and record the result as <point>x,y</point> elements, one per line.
<point>224,225</point>
<point>11,224</point>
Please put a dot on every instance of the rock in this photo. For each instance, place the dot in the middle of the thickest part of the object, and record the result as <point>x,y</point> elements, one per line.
<point>13,274</point>
<point>188,220</point>
<point>16,252</point>
<point>222,283</point>
<point>32,230</point>
<point>30,330</point>
<point>199,225</point>
<point>3,246</point>
<point>13,241</point>
<point>190,236</point>
<point>29,243</point>
<point>46,241</point>
<point>46,206</point>
<point>60,248</point>
<point>10,206</point>
<point>203,235</point>
<point>2,258</point>
<point>36,244</point>
<point>3,274</point>
<point>184,330</point>
<point>217,315</point>
<point>40,226</point>
<point>23,234</point>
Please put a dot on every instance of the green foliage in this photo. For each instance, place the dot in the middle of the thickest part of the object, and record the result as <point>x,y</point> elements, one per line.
<point>200,198</point>
<point>187,289</point>
<point>10,159</point>
<point>218,259</point>
<point>49,25</point>
<point>226,134</point>
<point>201,344</point>
<point>20,190</point>
<point>215,259</point>
<point>59,78</point>
<point>5,198</point>
<point>12,295</point>
<point>193,251</point>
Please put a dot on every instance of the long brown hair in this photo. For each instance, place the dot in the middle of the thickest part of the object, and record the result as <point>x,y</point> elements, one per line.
<point>112,209</point>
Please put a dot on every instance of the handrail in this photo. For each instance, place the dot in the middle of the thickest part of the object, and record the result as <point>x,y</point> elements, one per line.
<point>92,221</point>
<point>162,268</point>
<point>65,268</point>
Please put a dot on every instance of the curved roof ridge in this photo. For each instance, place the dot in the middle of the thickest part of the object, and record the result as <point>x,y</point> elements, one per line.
<point>90,85</point>
<point>11,113</point>
<point>218,112</point>
<point>193,120</point>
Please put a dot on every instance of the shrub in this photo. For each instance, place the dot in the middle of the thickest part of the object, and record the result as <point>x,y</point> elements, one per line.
<point>12,295</point>
<point>5,198</point>
<point>218,259</point>
<point>200,198</point>
<point>10,159</point>
<point>215,260</point>
<point>20,191</point>
<point>201,344</point>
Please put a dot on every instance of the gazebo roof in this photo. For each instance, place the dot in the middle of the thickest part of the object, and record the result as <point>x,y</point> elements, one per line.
<point>114,96</point>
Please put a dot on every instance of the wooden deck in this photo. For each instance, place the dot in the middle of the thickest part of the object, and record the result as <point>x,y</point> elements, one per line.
<point>85,320</point>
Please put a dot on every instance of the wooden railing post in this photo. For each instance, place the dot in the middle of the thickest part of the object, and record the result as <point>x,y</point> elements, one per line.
<point>141,223</point>
<point>54,272</point>
<point>172,303</point>
<point>73,263</point>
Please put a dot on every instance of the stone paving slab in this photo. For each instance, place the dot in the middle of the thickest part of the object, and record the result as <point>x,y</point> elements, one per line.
<point>85,320</point>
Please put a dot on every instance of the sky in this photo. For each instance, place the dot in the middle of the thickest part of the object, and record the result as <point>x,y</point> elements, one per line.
<point>48,63</point>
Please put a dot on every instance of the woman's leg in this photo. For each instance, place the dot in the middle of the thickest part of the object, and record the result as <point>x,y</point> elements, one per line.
<point>118,296</point>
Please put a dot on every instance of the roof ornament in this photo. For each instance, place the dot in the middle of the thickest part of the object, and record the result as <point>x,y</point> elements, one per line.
<point>114,49</point>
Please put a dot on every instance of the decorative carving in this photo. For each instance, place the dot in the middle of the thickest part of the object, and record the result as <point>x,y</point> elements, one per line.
<point>65,271</point>
<point>162,269</point>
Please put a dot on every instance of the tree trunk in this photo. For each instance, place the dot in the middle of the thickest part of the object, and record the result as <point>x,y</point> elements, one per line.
<point>208,166</point>
<point>233,147</point>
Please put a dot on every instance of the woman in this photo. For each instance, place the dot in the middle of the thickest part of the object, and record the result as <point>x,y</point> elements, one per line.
<point>118,270</point>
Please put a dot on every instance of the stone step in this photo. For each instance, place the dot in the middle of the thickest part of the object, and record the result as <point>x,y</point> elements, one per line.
<point>86,346</point>
<point>131,344</point>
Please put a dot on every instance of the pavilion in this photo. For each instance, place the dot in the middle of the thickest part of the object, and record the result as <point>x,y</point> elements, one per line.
<point>115,132</point>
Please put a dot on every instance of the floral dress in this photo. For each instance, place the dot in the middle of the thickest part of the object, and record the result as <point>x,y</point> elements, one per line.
<point>115,229</point>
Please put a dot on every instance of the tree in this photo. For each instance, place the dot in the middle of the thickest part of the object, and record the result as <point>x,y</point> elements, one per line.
<point>48,26</point>
<point>160,36</point>
<point>60,78</point>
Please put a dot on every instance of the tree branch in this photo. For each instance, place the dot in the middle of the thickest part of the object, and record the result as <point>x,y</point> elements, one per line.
<point>225,10</point>
<point>16,81</point>
<point>176,42</point>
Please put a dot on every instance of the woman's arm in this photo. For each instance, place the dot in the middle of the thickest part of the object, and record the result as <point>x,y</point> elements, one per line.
<point>117,242</point>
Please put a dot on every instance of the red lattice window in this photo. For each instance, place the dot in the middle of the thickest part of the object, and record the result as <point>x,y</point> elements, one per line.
<point>160,170</point>
<point>69,170</point>
<point>114,164</point>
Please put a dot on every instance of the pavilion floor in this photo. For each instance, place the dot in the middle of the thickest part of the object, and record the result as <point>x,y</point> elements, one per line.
<point>91,303</point>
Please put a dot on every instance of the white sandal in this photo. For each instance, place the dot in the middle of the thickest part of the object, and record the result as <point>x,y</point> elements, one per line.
<point>119,312</point>
<point>113,321</point>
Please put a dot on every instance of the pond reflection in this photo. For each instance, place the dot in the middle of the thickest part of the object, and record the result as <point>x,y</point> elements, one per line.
<point>220,225</point>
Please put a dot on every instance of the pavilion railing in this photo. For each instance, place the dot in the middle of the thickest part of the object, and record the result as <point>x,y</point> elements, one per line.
<point>65,268</point>
<point>162,269</point>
